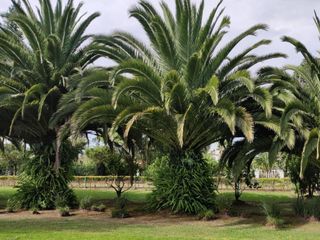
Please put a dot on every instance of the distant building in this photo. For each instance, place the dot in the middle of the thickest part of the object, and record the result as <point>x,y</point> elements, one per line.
<point>274,173</point>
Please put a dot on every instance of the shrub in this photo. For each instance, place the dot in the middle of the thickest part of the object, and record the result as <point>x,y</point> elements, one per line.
<point>120,213</point>
<point>310,183</point>
<point>223,203</point>
<point>64,211</point>
<point>299,207</point>
<point>61,201</point>
<point>98,208</point>
<point>40,185</point>
<point>184,186</point>
<point>120,210</point>
<point>86,203</point>
<point>272,212</point>
<point>12,206</point>
<point>307,208</point>
<point>207,215</point>
<point>35,211</point>
<point>312,208</point>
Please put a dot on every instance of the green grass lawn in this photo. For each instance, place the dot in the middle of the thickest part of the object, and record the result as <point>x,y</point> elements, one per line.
<point>151,226</point>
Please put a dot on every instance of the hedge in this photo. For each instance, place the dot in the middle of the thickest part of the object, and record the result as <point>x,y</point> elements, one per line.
<point>273,184</point>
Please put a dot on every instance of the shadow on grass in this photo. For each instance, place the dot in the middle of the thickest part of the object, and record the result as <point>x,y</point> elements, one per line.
<point>65,224</point>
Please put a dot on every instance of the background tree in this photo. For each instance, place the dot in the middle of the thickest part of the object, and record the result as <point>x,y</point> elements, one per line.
<point>12,158</point>
<point>302,113</point>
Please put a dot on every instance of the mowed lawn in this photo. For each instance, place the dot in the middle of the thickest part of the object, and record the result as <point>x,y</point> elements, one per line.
<point>24,226</point>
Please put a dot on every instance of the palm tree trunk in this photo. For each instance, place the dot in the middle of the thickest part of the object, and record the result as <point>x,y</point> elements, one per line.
<point>57,163</point>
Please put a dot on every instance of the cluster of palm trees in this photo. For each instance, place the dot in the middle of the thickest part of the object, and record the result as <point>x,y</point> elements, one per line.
<point>182,93</point>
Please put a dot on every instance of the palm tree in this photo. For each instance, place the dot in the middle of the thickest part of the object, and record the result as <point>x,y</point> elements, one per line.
<point>37,68</point>
<point>302,113</point>
<point>185,92</point>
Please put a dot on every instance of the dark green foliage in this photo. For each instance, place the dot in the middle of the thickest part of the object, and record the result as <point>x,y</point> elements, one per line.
<point>81,169</point>
<point>184,186</point>
<point>223,203</point>
<point>120,213</point>
<point>108,162</point>
<point>312,208</point>
<point>11,159</point>
<point>120,210</point>
<point>40,186</point>
<point>311,180</point>
<point>299,207</point>
<point>11,206</point>
<point>307,207</point>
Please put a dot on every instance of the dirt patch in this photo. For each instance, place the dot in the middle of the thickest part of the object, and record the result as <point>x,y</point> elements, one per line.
<point>161,218</point>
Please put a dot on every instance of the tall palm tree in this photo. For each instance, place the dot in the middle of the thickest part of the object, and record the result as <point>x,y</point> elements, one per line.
<point>186,90</point>
<point>39,60</point>
<point>303,113</point>
<point>37,69</point>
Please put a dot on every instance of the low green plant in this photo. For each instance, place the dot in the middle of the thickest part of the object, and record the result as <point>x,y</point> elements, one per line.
<point>120,210</point>
<point>86,203</point>
<point>35,210</point>
<point>61,201</point>
<point>12,206</point>
<point>312,208</point>
<point>98,208</point>
<point>185,186</point>
<point>273,214</point>
<point>307,207</point>
<point>64,211</point>
<point>39,185</point>
<point>207,215</point>
<point>224,203</point>
<point>298,207</point>
<point>120,213</point>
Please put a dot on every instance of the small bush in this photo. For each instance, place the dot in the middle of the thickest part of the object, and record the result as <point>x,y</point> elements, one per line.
<point>61,201</point>
<point>272,212</point>
<point>35,211</point>
<point>120,210</point>
<point>207,215</point>
<point>276,222</point>
<point>12,206</point>
<point>64,211</point>
<point>98,208</point>
<point>86,203</point>
<point>312,208</point>
<point>299,207</point>
<point>307,208</point>
<point>224,203</point>
<point>183,185</point>
<point>120,213</point>
<point>121,203</point>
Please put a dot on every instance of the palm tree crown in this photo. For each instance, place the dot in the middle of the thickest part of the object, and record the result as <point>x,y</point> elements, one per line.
<point>37,66</point>
<point>187,91</point>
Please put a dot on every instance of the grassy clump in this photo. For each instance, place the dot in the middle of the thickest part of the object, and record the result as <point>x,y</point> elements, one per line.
<point>86,203</point>
<point>273,214</point>
<point>98,208</point>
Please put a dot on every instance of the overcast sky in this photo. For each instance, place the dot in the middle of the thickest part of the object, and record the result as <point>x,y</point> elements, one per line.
<point>284,17</point>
